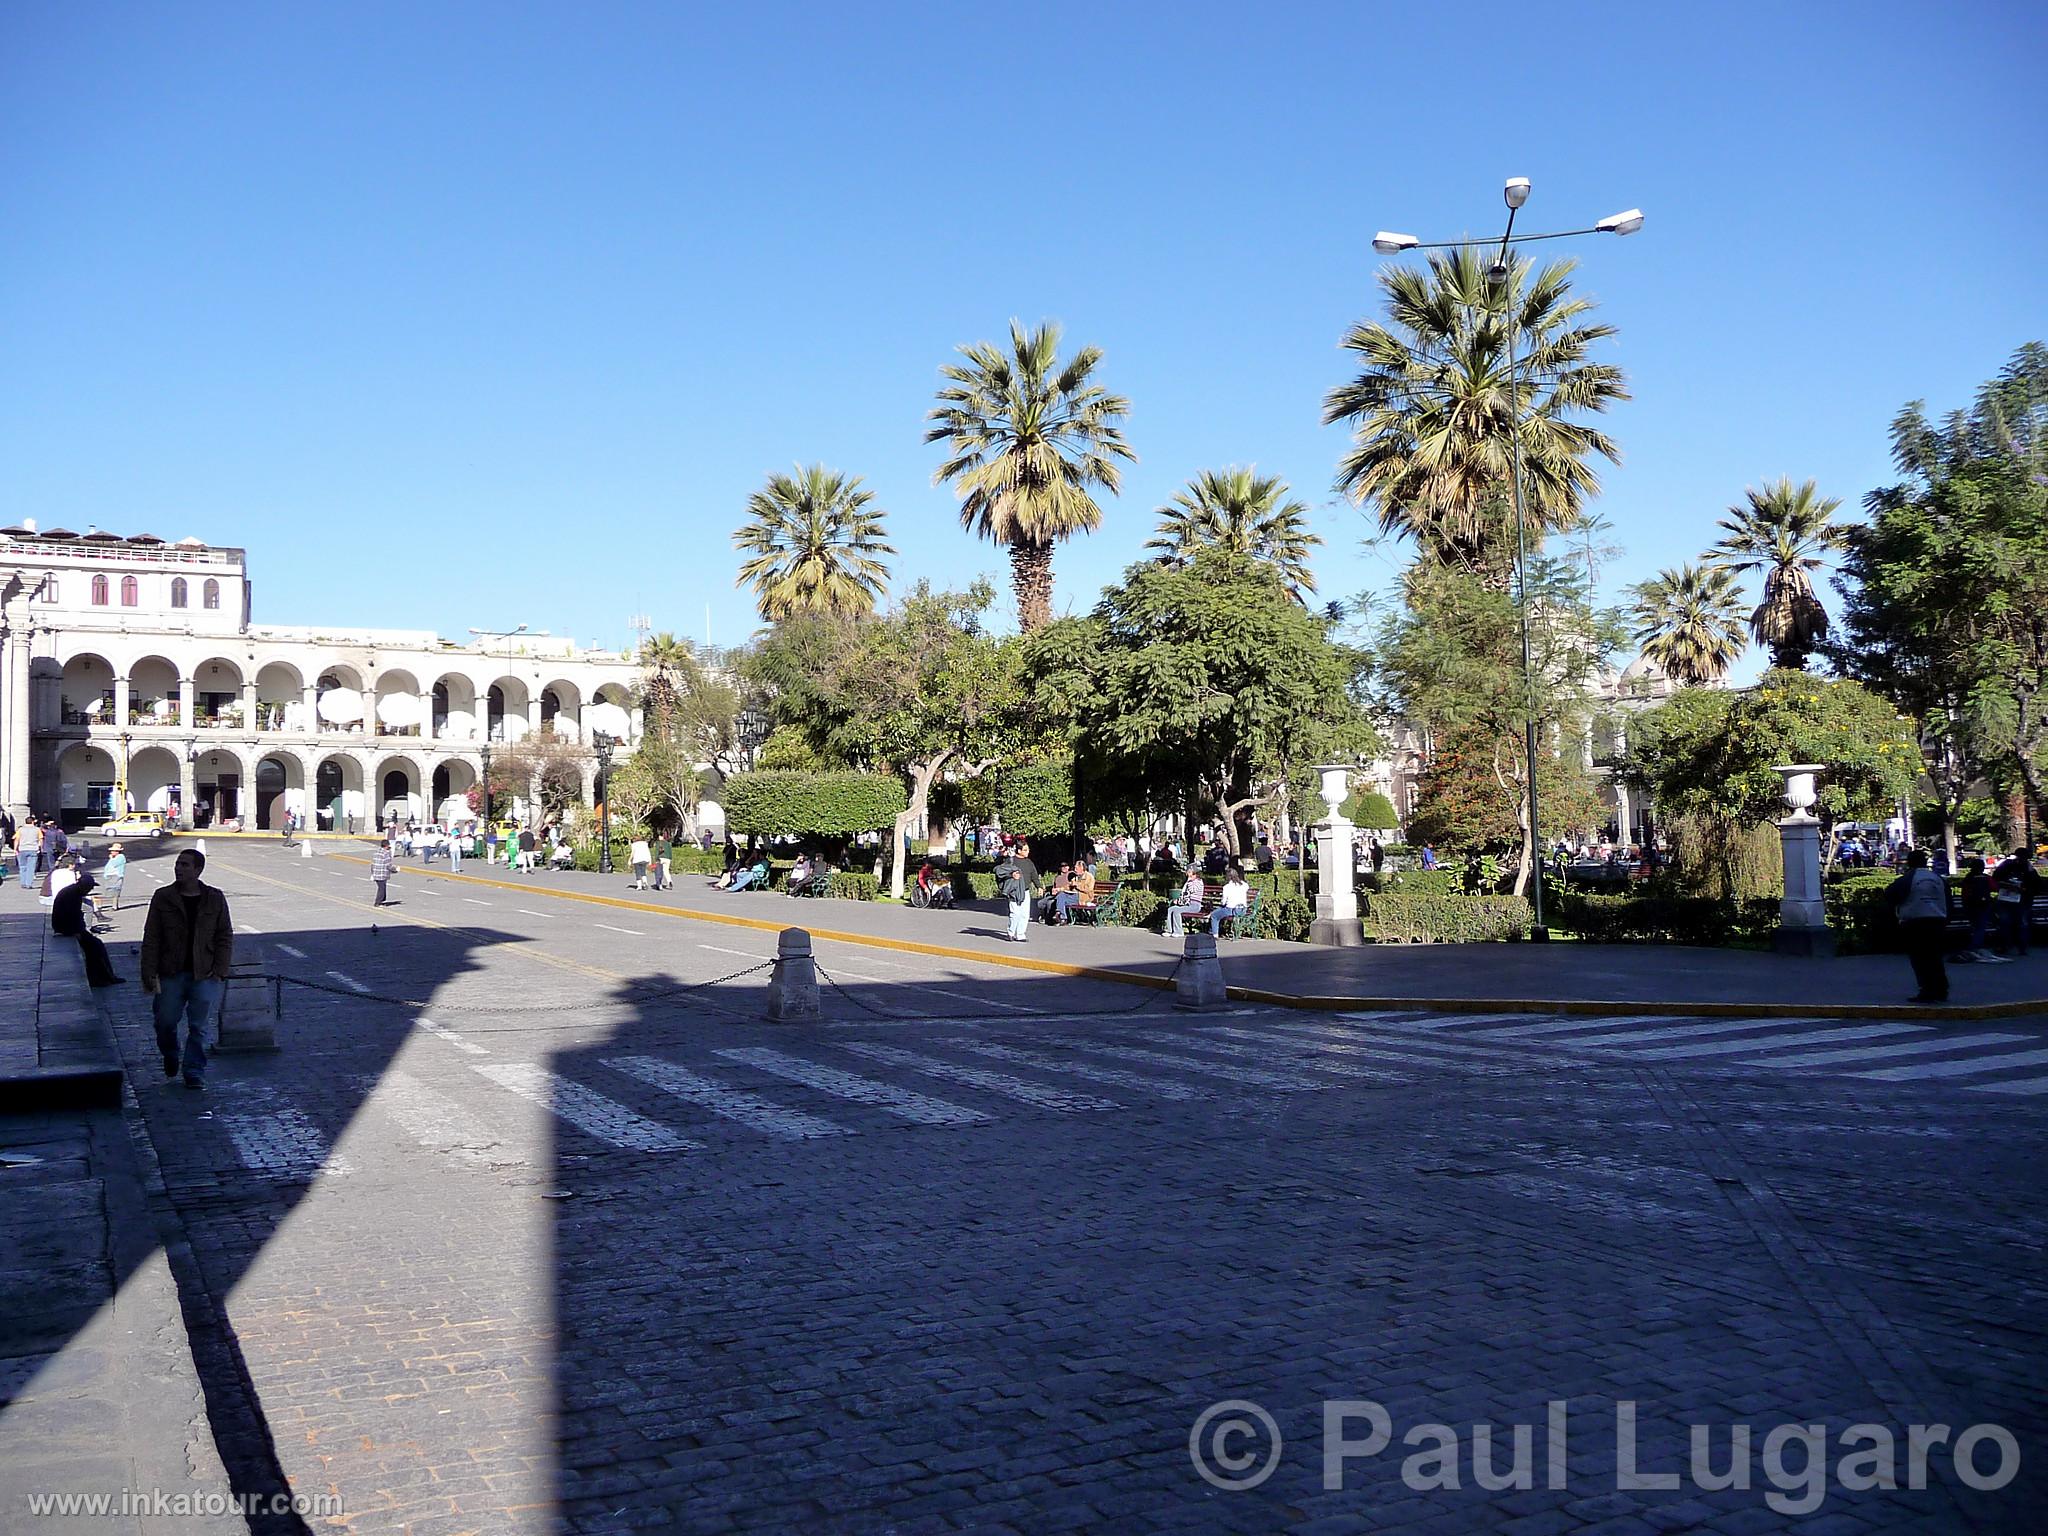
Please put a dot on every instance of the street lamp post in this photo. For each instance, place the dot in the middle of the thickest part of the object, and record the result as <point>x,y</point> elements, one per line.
<point>604,741</point>
<point>487,783</point>
<point>1387,243</point>
<point>121,794</point>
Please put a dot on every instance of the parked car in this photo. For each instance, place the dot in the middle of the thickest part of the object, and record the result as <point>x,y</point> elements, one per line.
<point>135,824</point>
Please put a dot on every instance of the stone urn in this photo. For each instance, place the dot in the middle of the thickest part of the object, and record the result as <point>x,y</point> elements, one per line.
<point>1802,915</point>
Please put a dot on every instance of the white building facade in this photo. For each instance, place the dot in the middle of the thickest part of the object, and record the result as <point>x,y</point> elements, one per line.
<point>131,676</point>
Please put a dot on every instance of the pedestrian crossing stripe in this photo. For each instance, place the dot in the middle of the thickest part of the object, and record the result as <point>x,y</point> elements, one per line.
<point>1778,1042</point>
<point>1895,1048</point>
<point>585,1108</point>
<point>1302,1056</point>
<point>1255,1076</point>
<point>1040,1095</point>
<point>911,1106</point>
<point>1088,1072</point>
<point>1438,1050</point>
<point>280,1142</point>
<point>1958,1068</point>
<point>1599,1026</point>
<point>748,1109</point>
<point>433,1119</point>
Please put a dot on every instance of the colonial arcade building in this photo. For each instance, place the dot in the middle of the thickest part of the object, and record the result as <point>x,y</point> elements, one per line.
<point>132,672</point>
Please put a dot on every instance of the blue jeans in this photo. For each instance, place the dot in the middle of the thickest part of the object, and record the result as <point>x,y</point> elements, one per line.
<point>2014,923</point>
<point>30,857</point>
<point>1176,911</point>
<point>1216,919</point>
<point>743,879</point>
<point>195,1000</point>
<point>1020,919</point>
<point>455,855</point>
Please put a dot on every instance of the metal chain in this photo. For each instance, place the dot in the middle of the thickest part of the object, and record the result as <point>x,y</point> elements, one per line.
<point>631,997</point>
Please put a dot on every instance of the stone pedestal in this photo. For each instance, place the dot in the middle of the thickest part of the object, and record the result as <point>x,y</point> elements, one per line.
<point>1802,915</point>
<point>793,994</point>
<point>249,1006</point>
<point>1199,985</point>
<point>1336,920</point>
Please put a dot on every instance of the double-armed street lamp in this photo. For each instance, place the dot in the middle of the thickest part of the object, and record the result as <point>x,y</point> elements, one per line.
<point>1388,243</point>
<point>604,742</point>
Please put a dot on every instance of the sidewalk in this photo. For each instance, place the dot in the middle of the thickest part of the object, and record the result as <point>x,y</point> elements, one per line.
<point>1536,978</point>
<point>98,1391</point>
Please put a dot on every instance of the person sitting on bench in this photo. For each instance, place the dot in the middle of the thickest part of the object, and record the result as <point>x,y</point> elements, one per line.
<point>755,874</point>
<point>1187,904</point>
<point>1232,903</point>
<point>802,877</point>
<point>1081,893</point>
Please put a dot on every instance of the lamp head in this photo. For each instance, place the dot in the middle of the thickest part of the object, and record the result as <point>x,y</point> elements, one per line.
<point>1516,192</point>
<point>1387,243</point>
<point>1621,223</point>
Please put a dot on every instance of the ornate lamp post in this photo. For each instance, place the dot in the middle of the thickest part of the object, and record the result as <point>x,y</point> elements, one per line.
<point>121,791</point>
<point>1389,243</point>
<point>604,742</point>
<point>487,783</point>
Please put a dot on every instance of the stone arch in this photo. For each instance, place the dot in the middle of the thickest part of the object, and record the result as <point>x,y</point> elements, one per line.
<point>86,693</point>
<point>153,690</point>
<point>339,690</point>
<point>281,698</point>
<point>153,777</point>
<point>398,786</point>
<point>338,777</point>
<point>507,701</point>
<point>561,709</point>
<point>612,710</point>
<point>456,717</point>
<point>86,779</point>
<point>221,789</point>
<point>279,786</point>
<point>217,692</point>
<point>397,703</point>
<point>448,795</point>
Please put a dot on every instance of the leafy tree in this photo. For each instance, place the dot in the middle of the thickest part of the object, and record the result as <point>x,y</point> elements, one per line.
<point>539,767</point>
<point>1036,799</point>
<point>1689,622</point>
<point>1435,407</point>
<point>1371,810</point>
<point>1469,799</point>
<point>1787,532</point>
<point>1199,681</point>
<point>815,544</point>
<point>692,723</point>
<point>1452,662</point>
<point>826,804</point>
<point>1242,511</point>
<point>1712,752</point>
<point>1029,438</point>
<point>1945,589</point>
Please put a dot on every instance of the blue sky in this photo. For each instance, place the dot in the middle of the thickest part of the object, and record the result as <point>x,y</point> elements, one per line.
<point>466,314</point>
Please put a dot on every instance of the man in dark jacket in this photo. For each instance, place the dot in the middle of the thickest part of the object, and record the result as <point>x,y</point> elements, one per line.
<point>188,949</point>
<point>67,920</point>
<point>1017,880</point>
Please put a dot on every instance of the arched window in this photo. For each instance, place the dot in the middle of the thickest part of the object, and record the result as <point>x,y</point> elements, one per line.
<point>50,588</point>
<point>99,591</point>
<point>177,591</point>
<point>131,591</point>
<point>212,593</point>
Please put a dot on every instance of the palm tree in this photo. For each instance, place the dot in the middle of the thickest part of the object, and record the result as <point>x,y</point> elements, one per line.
<point>1028,437</point>
<point>670,666</point>
<point>1784,531</point>
<point>1435,406</point>
<point>1689,622</point>
<point>814,542</point>
<point>1239,510</point>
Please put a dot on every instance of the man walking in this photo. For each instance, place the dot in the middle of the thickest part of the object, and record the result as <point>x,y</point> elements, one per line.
<point>1921,897</point>
<point>67,920</point>
<point>455,838</point>
<point>382,867</point>
<point>1018,879</point>
<point>664,855</point>
<point>188,948</point>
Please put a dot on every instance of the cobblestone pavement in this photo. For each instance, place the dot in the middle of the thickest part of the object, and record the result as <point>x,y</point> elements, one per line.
<point>567,1249</point>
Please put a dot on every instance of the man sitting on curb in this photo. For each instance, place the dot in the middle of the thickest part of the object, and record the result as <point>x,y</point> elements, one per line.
<point>67,920</point>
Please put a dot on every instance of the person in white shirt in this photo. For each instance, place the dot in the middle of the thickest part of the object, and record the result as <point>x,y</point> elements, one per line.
<point>1236,897</point>
<point>640,856</point>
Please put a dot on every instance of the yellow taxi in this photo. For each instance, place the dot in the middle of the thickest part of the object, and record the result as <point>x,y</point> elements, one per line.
<point>135,824</point>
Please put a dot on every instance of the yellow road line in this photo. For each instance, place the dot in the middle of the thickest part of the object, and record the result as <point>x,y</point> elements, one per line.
<point>1592,1008</point>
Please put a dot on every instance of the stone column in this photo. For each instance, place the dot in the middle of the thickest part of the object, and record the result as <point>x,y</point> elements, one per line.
<point>427,719</point>
<point>1336,888</point>
<point>14,711</point>
<point>309,696</point>
<point>123,701</point>
<point>250,726</point>
<point>188,780</point>
<point>1802,915</point>
<point>187,718</point>
<point>533,713</point>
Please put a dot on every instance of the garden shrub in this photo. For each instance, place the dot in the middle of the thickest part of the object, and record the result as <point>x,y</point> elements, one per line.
<point>853,885</point>
<point>1403,917</point>
<point>790,802</point>
<point>1645,919</point>
<point>1863,918</point>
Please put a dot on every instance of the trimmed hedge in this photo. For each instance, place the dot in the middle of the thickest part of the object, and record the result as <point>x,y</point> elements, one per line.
<point>1399,917</point>
<point>776,803</point>
<point>1640,919</point>
<point>1863,920</point>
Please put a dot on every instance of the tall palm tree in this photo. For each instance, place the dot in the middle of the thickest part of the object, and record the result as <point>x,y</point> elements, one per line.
<point>1787,532</point>
<point>1435,406</point>
<point>1240,510</point>
<point>1029,437</point>
<point>669,666</point>
<point>814,540</point>
<point>1689,622</point>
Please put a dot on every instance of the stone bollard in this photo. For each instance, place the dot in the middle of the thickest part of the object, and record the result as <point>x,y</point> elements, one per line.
<point>305,850</point>
<point>249,1006</point>
<point>1200,982</point>
<point>793,994</point>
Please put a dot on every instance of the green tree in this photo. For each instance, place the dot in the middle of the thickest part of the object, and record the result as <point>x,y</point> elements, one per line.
<point>1787,532</point>
<point>1202,682</point>
<point>1945,587</point>
<point>815,543</point>
<point>1240,510</point>
<point>1468,797</point>
<point>1435,407</point>
<point>1452,662</point>
<point>1712,752</point>
<point>1371,810</point>
<point>1029,439</point>
<point>1688,620</point>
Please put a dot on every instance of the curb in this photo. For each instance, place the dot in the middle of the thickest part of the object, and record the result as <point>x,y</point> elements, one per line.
<point>1307,1002</point>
